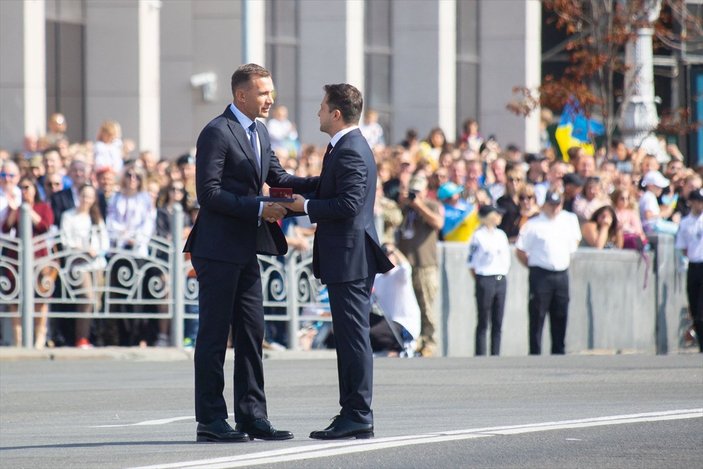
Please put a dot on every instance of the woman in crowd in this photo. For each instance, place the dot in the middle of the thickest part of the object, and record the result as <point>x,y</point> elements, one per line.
<point>42,217</point>
<point>602,230</point>
<point>527,201</point>
<point>628,218</point>
<point>489,261</point>
<point>131,217</point>
<point>83,232</point>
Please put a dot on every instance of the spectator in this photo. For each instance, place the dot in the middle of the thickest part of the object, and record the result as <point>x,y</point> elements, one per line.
<point>10,193</point>
<point>473,186</point>
<point>585,165</point>
<point>149,160</point>
<point>602,230</point>
<point>590,200</point>
<point>108,147</point>
<point>458,222</point>
<point>79,173</point>
<point>527,200</point>
<point>573,186</point>
<point>372,130</point>
<point>107,188</point>
<point>432,146</point>
<point>52,185</point>
<point>629,219</point>
<point>57,129</point>
<point>509,202</point>
<point>545,246</point>
<point>422,220</point>
<point>53,164</point>
<point>489,261</point>
<point>652,214</point>
<point>84,235</point>
<point>284,136</point>
<point>691,182</point>
<point>394,293</point>
<point>130,222</point>
<point>690,239</point>
<point>470,137</point>
<point>186,167</point>
<point>411,141</point>
<point>620,156</point>
<point>388,215</point>
<point>41,218</point>
<point>496,188</point>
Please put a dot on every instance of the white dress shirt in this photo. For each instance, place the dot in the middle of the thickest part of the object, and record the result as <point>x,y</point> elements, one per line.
<point>246,122</point>
<point>489,252</point>
<point>549,242</point>
<point>690,237</point>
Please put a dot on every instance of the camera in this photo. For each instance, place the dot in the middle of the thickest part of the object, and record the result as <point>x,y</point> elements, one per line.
<point>412,194</point>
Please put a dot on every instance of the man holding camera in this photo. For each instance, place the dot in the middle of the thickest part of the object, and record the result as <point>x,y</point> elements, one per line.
<point>423,219</point>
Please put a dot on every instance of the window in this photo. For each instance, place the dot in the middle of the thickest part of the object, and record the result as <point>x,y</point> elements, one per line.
<point>467,54</point>
<point>378,49</point>
<point>282,52</point>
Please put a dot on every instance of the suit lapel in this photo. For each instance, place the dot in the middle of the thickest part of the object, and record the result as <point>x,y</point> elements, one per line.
<point>242,138</point>
<point>265,156</point>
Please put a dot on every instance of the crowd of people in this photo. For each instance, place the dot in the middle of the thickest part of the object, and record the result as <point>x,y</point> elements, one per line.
<point>104,194</point>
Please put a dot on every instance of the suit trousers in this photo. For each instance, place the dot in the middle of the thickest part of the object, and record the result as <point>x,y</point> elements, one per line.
<point>694,290</point>
<point>350,303</point>
<point>549,293</point>
<point>490,304</point>
<point>230,295</point>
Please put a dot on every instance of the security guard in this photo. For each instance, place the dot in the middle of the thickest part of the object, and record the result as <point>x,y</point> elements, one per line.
<point>690,239</point>
<point>545,245</point>
<point>489,260</point>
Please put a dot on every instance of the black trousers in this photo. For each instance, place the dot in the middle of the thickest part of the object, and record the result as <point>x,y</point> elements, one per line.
<point>694,288</point>
<point>230,295</point>
<point>549,294</point>
<point>490,304</point>
<point>350,303</point>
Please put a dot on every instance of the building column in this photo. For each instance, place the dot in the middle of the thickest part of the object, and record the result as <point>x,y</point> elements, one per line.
<point>509,57</point>
<point>23,71</point>
<point>424,66</point>
<point>122,69</point>
<point>324,25</point>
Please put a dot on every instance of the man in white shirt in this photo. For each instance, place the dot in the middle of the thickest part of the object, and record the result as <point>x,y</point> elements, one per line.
<point>545,245</point>
<point>690,239</point>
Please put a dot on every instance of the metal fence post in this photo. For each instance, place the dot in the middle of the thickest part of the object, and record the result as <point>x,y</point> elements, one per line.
<point>177,277</point>
<point>26,274</point>
<point>292,303</point>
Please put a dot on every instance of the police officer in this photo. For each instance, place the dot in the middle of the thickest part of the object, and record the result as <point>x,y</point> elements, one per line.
<point>690,239</point>
<point>545,245</point>
<point>489,261</point>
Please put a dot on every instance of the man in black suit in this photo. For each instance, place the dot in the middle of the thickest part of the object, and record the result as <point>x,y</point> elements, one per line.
<point>347,254</point>
<point>233,161</point>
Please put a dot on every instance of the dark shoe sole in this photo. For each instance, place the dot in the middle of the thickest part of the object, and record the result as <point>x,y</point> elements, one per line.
<point>211,439</point>
<point>358,436</point>
<point>271,438</point>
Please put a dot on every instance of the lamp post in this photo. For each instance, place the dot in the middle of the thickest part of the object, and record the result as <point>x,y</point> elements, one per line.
<point>639,116</point>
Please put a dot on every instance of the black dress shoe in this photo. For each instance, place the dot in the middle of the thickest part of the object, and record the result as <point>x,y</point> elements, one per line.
<point>263,430</point>
<point>219,431</point>
<point>343,427</point>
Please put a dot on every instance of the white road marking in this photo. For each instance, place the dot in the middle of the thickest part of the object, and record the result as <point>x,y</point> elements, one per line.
<point>337,448</point>
<point>146,422</point>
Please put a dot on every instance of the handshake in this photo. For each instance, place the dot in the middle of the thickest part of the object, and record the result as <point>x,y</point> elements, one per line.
<point>280,201</point>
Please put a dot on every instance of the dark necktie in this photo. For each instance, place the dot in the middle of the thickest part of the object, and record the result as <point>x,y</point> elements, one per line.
<point>254,142</point>
<point>325,158</point>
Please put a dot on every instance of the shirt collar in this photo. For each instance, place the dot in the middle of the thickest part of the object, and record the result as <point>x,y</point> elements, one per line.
<point>244,120</point>
<point>338,136</point>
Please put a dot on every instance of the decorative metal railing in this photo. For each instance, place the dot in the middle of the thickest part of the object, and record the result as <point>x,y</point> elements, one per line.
<point>161,285</point>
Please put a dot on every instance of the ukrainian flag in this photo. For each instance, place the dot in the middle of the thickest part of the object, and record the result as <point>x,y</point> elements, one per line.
<point>575,130</point>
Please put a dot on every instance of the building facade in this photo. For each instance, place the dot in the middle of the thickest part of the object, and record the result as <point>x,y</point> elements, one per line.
<point>162,67</point>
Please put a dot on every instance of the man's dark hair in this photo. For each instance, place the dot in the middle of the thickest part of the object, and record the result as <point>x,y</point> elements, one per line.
<point>346,99</point>
<point>245,73</point>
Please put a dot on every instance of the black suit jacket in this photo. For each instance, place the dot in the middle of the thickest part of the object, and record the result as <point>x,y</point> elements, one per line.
<point>228,181</point>
<point>346,245</point>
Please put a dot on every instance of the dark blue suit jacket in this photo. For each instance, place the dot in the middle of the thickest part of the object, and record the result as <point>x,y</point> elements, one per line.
<point>228,181</point>
<point>346,245</point>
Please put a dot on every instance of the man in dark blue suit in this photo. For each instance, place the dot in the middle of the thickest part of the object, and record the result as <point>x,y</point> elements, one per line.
<point>347,254</point>
<point>233,161</point>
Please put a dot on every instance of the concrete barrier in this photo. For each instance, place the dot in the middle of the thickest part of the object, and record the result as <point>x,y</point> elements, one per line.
<point>620,302</point>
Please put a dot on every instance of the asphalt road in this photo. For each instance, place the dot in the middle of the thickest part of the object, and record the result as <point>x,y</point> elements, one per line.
<point>622,411</point>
